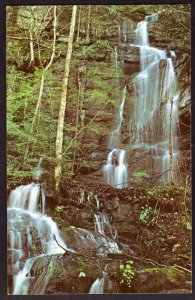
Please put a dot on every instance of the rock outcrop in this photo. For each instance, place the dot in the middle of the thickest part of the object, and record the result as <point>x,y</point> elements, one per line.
<point>149,225</point>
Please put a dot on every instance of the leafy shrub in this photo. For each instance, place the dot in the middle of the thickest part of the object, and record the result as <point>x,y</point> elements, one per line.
<point>127,272</point>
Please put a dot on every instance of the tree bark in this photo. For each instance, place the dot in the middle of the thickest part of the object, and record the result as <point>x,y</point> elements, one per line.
<point>79,23</point>
<point>32,55</point>
<point>88,24</point>
<point>60,128</point>
<point>76,130</point>
<point>80,99</point>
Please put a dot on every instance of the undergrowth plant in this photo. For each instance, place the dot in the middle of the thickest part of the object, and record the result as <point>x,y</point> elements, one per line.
<point>127,272</point>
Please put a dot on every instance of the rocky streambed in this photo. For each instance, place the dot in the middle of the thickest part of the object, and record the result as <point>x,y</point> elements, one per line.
<point>140,243</point>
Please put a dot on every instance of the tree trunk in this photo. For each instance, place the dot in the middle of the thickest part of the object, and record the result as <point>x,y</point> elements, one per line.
<point>88,24</point>
<point>76,130</point>
<point>80,99</point>
<point>60,128</point>
<point>79,23</point>
<point>32,55</point>
<point>96,29</point>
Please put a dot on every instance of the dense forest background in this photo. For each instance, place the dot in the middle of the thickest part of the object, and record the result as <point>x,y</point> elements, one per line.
<point>37,41</point>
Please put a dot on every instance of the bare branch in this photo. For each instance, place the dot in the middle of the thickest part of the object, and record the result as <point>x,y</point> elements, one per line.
<point>85,127</point>
<point>27,39</point>
<point>178,11</point>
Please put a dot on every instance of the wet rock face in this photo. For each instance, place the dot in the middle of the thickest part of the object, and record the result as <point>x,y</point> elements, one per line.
<point>95,155</point>
<point>146,223</point>
<point>158,279</point>
<point>63,274</point>
<point>128,211</point>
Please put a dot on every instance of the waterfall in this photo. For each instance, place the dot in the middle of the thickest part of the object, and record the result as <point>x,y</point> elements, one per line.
<point>30,233</point>
<point>116,170</point>
<point>21,281</point>
<point>101,242</point>
<point>115,139</point>
<point>97,287</point>
<point>156,105</point>
<point>151,18</point>
<point>142,33</point>
<point>116,62</point>
<point>97,202</point>
<point>101,220</point>
<point>37,172</point>
<point>121,172</point>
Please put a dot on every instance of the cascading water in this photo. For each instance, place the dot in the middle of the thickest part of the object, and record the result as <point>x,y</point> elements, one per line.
<point>102,221</point>
<point>100,242</point>
<point>103,239</point>
<point>98,285</point>
<point>116,170</point>
<point>154,120</point>
<point>30,233</point>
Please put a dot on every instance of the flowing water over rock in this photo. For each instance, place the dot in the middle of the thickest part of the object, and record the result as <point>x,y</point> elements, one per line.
<point>32,237</point>
<point>102,225</point>
<point>155,115</point>
<point>100,243</point>
<point>116,168</point>
<point>97,287</point>
<point>154,121</point>
<point>30,233</point>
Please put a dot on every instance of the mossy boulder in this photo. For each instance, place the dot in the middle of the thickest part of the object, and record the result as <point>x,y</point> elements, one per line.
<point>153,280</point>
<point>61,274</point>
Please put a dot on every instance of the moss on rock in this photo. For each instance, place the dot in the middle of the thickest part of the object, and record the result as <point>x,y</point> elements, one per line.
<point>153,280</point>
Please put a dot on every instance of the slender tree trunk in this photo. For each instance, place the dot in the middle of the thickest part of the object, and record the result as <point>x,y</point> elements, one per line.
<point>88,24</point>
<point>76,129</point>
<point>79,23</point>
<point>32,55</point>
<point>96,30</point>
<point>60,128</point>
<point>80,100</point>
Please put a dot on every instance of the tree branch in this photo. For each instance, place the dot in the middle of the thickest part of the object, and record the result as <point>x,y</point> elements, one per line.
<point>178,11</point>
<point>85,127</point>
<point>27,39</point>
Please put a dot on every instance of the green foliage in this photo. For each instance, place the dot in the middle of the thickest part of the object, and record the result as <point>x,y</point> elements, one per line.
<point>166,275</point>
<point>54,269</point>
<point>145,213</point>
<point>186,222</point>
<point>84,266</point>
<point>22,96</point>
<point>59,218</point>
<point>97,95</point>
<point>139,176</point>
<point>99,50</point>
<point>161,191</point>
<point>127,272</point>
<point>59,208</point>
